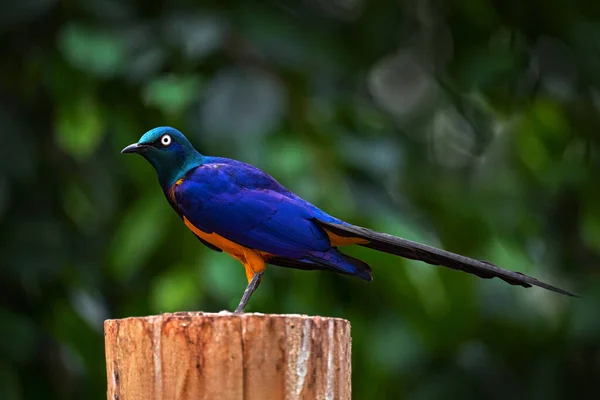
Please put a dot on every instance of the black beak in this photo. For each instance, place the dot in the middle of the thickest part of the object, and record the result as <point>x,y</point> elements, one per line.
<point>135,148</point>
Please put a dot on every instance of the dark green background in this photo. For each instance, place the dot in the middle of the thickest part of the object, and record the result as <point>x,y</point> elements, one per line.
<point>470,125</point>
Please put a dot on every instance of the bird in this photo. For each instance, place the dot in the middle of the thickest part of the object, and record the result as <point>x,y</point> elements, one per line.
<point>236,208</point>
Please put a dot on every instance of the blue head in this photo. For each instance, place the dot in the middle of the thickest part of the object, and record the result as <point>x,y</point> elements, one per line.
<point>169,152</point>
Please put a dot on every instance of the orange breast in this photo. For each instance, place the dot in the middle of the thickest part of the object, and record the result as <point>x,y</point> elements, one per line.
<point>253,260</point>
<point>226,245</point>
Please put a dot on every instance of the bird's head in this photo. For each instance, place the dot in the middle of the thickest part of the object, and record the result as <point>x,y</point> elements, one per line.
<point>169,152</point>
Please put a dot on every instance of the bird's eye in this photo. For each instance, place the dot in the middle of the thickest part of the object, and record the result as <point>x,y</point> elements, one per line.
<point>165,140</point>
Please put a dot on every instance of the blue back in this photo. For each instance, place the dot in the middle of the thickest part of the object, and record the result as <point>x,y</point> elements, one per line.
<point>249,207</point>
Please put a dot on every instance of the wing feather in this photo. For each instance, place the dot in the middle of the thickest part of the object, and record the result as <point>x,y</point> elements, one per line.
<point>250,208</point>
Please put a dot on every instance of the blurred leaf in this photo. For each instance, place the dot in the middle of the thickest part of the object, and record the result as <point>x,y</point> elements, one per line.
<point>382,157</point>
<point>141,229</point>
<point>452,138</point>
<point>551,124</point>
<point>290,159</point>
<point>109,9</point>
<point>557,67</point>
<point>79,127</point>
<point>217,271</point>
<point>172,94</point>
<point>99,51</point>
<point>90,307</point>
<point>175,290</point>
<point>394,346</point>
<point>197,34</point>
<point>430,288</point>
<point>22,12</point>
<point>585,319</point>
<point>78,207</point>
<point>9,382</point>
<point>5,195</point>
<point>484,70</point>
<point>543,137</point>
<point>77,344</point>
<point>288,42</point>
<point>242,102</point>
<point>402,85</point>
<point>590,226</point>
<point>532,149</point>
<point>17,337</point>
<point>146,63</point>
<point>18,156</point>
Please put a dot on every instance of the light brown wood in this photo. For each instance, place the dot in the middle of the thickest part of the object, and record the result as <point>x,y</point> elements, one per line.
<point>193,356</point>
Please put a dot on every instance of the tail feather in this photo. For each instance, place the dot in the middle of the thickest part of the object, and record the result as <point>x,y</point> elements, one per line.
<point>331,260</point>
<point>431,255</point>
<point>343,263</point>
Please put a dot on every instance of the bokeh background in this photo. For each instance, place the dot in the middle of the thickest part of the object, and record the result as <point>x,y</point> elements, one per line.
<point>470,125</point>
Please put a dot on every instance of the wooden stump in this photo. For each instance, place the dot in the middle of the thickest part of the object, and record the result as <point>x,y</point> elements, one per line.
<point>192,356</point>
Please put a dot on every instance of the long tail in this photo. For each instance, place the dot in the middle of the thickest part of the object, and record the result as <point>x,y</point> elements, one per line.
<point>431,255</point>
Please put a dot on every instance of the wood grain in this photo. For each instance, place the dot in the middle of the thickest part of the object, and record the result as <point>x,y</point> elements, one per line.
<point>185,356</point>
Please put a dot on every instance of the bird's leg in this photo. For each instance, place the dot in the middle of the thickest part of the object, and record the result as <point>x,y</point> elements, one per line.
<point>254,264</point>
<point>254,282</point>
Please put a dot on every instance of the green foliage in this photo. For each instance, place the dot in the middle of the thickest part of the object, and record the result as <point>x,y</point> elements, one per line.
<point>99,52</point>
<point>470,125</point>
<point>174,291</point>
<point>137,235</point>
<point>79,127</point>
<point>172,94</point>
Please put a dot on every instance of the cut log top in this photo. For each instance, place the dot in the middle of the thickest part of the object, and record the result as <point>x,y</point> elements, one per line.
<point>226,356</point>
